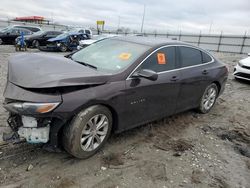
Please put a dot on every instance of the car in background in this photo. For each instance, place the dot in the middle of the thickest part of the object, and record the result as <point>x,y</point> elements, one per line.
<point>84,31</point>
<point>40,38</point>
<point>95,38</point>
<point>110,86</point>
<point>64,42</point>
<point>9,35</point>
<point>242,69</point>
<point>31,28</point>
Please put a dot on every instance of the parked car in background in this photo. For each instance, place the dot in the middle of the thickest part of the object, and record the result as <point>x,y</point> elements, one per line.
<point>242,69</point>
<point>8,35</point>
<point>31,28</point>
<point>40,38</point>
<point>112,85</point>
<point>84,31</point>
<point>64,42</point>
<point>95,38</point>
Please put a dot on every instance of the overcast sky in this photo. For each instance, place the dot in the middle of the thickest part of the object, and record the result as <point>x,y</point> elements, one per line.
<point>160,15</point>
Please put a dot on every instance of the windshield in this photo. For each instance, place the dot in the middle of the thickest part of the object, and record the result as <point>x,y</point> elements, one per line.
<point>62,35</point>
<point>110,55</point>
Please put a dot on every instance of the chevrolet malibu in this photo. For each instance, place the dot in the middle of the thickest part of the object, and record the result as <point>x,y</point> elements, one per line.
<point>108,87</point>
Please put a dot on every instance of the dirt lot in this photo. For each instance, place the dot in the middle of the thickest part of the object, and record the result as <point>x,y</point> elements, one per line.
<point>185,150</point>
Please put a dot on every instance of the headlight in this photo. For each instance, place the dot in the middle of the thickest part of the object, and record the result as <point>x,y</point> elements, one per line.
<point>30,108</point>
<point>240,64</point>
<point>58,44</point>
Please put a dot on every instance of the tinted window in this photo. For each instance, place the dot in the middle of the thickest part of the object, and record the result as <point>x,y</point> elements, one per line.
<point>57,33</point>
<point>50,33</point>
<point>162,60</point>
<point>14,31</point>
<point>33,29</point>
<point>190,56</point>
<point>206,58</point>
<point>25,31</point>
<point>87,31</point>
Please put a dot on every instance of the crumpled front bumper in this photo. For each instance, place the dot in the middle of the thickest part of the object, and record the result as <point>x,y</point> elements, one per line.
<point>34,130</point>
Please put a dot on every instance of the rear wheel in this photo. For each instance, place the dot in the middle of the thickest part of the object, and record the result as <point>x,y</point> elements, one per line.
<point>208,99</point>
<point>35,44</point>
<point>88,131</point>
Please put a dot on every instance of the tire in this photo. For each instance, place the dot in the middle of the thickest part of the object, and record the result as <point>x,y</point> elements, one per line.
<point>79,134</point>
<point>1,41</point>
<point>208,98</point>
<point>63,48</point>
<point>35,44</point>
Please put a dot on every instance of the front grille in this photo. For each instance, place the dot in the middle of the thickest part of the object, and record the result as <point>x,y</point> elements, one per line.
<point>243,75</point>
<point>245,67</point>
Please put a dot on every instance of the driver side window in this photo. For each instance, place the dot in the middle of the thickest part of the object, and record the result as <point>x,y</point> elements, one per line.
<point>161,60</point>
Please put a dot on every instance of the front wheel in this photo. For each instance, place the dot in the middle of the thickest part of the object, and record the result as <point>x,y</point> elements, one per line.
<point>63,48</point>
<point>88,131</point>
<point>208,99</point>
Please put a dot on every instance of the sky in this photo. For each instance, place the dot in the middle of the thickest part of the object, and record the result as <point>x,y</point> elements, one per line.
<point>161,16</point>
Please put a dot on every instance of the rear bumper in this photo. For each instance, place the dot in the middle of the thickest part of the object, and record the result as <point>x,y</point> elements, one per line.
<point>241,73</point>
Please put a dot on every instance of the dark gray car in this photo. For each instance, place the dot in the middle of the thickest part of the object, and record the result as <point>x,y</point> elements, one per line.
<point>110,86</point>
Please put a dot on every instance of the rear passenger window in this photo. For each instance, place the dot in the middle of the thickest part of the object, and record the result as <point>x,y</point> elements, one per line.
<point>162,60</point>
<point>206,58</point>
<point>190,56</point>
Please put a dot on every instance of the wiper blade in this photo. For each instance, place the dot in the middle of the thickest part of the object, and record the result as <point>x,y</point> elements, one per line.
<point>86,64</point>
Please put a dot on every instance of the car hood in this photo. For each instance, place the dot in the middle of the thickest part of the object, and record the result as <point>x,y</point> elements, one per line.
<point>47,71</point>
<point>246,61</point>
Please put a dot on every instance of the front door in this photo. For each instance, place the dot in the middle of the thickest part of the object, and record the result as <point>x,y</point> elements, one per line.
<point>150,100</point>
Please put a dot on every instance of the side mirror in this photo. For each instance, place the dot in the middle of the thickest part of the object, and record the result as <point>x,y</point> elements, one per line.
<point>145,73</point>
<point>8,33</point>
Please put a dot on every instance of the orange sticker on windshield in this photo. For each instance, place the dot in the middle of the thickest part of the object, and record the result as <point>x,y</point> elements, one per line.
<point>161,58</point>
<point>124,56</point>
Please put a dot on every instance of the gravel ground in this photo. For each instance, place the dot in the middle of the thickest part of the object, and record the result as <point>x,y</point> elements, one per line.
<point>184,150</point>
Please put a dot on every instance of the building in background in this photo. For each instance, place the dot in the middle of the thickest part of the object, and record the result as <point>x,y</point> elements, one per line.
<point>32,19</point>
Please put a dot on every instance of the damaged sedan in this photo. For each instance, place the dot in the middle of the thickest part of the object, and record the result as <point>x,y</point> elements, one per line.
<point>116,84</point>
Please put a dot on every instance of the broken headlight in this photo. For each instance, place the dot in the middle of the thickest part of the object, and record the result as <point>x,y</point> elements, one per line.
<point>30,108</point>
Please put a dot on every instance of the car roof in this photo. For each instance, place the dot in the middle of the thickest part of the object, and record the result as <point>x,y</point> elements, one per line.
<point>149,41</point>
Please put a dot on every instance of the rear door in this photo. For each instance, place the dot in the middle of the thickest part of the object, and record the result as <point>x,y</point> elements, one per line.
<point>194,70</point>
<point>149,100</point>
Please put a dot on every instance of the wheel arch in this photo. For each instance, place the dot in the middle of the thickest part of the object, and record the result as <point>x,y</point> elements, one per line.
<point>218,85</point>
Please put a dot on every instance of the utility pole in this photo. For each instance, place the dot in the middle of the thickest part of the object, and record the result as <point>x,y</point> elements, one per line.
<point>210,27</point>
<point>143,16</point>
<point>119,20</point>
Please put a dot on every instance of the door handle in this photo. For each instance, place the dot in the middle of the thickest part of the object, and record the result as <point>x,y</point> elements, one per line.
<point>205,72</point>
<point>174,78</point>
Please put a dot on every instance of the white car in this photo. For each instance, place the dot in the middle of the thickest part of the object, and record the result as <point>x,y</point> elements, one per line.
<point>95,38</point>
<point>242,69</point>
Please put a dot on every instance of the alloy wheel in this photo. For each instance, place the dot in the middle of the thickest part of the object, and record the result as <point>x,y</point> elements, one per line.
<point>209,98</point>
<point>94,132</point>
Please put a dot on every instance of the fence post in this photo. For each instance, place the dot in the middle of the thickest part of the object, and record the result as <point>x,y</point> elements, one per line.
<point>199,39</point>
<point>180,35</point>
<point>218,49</point>
<point>243,42</point>
<point>167,34</point>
